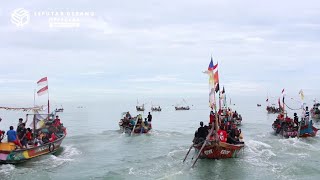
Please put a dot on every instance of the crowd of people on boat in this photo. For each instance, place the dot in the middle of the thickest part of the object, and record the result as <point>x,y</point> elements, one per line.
<point>272,109</point>
<point>24,137</point>
<point>225,131</point>
<point>287,124</point>
<point>136,124</point>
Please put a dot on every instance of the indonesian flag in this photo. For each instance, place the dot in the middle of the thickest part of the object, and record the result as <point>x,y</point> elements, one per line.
<point>43,81</point>
<point>42,91</point>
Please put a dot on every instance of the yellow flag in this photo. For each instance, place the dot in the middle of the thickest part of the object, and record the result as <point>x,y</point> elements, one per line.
<point>301,94</point>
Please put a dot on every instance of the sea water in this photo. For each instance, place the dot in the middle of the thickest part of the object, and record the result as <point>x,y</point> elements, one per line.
<point>95,149</point>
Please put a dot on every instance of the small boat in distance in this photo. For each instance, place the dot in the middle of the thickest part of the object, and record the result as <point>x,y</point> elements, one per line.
<point>182,106</point>
<point>258,105</point>
<point>139,107</point>
<point>156,108</point>
<point>273,109</point>
<point>59,110</point>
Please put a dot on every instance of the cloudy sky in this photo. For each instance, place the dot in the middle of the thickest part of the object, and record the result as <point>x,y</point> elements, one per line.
<point>135,48</point>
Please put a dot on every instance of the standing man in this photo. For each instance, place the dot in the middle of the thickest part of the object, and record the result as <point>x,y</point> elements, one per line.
<point>307,115</point>
<point>20,123</point>
<point>22,135</point>
<point>149,117</point>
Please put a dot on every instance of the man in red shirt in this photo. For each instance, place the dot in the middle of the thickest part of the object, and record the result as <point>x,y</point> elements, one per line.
<point>57,122</point>
<point>222,134</point>
<point>53,137</point>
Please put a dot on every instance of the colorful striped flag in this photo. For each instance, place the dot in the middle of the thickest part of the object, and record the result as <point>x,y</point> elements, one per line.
<point>42,91</point>
<point>43,81</point>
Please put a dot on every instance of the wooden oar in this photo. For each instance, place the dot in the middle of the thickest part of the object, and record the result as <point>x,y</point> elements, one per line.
<point>204,144</point>
<point>134,126</point>
<point>188,153</point>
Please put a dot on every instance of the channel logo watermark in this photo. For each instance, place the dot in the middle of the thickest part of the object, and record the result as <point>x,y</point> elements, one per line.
<point>20,17</point>
<point>55,19</point>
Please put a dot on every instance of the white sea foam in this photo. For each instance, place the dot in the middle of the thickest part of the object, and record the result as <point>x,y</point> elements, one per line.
<point>6,169</point>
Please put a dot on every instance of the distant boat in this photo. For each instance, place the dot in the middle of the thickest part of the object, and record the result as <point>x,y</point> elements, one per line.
<point>139,107</point>
<point>59,109</point>
<point>156,108</point>
<point>182,107</point>
<point>259,105</point>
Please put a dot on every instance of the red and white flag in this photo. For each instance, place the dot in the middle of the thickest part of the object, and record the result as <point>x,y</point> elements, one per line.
<point>42,91</point>
<point>43,81</point>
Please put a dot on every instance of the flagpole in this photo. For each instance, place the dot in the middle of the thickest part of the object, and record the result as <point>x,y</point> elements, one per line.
<point>48,97</point>
<point>34,98</point>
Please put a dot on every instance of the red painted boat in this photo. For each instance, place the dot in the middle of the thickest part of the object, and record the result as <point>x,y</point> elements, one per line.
<point>219,150</point>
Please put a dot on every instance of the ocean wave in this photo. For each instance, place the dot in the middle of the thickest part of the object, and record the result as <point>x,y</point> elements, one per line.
<point>6,169</point>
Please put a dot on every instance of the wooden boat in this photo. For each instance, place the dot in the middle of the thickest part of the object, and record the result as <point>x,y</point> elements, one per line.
<point>156,108</point>
<point>183,105</point>
<point>315,112</point>
<point>284,127</point>
<point>273,109</point>
<point>9,154</point>
<point>134,125</point>
<point>182,108</point>
<point>215,145</point>
<point>59,110</point>
<point>308,130</point>
<point>220,150</point>
<point>140,108</point>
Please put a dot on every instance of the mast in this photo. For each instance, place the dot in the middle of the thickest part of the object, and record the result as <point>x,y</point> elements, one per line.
<point>34,98</point>
<point>48,99</point>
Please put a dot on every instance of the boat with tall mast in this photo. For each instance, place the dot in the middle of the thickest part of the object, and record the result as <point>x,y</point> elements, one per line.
<point>215,144</point>
<point>43,125</point>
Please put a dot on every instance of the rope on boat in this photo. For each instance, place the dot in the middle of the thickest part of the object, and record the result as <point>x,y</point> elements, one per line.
<point>292,108</point>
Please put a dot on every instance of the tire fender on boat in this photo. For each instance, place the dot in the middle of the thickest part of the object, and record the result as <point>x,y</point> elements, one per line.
<point>51,147</point>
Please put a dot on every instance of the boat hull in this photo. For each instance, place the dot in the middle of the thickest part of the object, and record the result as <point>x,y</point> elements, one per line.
<point>182,108</point>
<point>308,131</point>
<point>316,117</point>
<point>219,151</point>
<point>22,155</point>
